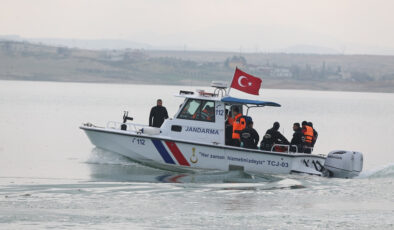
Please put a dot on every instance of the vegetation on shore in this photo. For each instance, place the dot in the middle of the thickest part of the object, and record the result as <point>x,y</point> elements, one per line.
<point>37,62</point>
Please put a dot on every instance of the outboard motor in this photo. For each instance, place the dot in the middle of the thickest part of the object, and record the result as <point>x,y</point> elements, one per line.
<point>343,164</point>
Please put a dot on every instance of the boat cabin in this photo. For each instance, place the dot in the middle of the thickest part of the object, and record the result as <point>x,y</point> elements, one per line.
<point>202,116</point>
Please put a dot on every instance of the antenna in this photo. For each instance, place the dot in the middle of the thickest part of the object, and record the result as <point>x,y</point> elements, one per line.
<point>220,87</point>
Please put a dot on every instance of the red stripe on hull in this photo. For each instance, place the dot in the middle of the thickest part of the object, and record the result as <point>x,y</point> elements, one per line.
<point>177,153</point>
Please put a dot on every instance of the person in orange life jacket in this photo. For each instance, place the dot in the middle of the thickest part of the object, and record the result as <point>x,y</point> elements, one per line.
<point>308,137</point>
<point>315,134</point>
<point>238,125</point>
<point>158,114</point>
<point>273,136</point>
<point>249,136</point>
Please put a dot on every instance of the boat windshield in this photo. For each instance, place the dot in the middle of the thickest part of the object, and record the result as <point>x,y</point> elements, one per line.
<point>201,110</point>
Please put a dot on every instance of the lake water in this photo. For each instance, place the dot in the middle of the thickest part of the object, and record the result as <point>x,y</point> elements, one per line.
<point>51,176</point>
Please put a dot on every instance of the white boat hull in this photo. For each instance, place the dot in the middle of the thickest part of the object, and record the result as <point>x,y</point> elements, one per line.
<point>162,152</point>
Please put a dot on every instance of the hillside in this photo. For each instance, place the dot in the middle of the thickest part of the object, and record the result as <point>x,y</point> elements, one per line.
<point>37,62</point>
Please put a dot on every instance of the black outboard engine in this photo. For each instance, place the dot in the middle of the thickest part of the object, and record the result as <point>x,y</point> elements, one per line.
<point>125,118</point>
<point>343,164</point>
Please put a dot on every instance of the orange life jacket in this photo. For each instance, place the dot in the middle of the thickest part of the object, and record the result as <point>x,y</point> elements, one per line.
<point>238,125</point>
<point>308,133</point>
<point>230,120</point>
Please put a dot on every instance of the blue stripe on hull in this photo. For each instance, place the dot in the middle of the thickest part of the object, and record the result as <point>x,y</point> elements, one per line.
<point>163,152</point>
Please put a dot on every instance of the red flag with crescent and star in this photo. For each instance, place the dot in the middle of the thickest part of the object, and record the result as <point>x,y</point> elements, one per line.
<point>246,82</point>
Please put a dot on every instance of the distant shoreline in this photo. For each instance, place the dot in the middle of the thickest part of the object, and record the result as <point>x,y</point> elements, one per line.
<point>353,73</point>
<point>287,86</point>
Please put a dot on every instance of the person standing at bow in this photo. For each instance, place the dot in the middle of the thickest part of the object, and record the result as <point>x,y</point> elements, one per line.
<point>158,114</point>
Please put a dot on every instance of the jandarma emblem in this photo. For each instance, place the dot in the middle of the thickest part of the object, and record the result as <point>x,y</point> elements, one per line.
<point>193,158</point>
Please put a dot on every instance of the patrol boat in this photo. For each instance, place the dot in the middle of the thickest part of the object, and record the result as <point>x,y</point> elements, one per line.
<point>194,139</point>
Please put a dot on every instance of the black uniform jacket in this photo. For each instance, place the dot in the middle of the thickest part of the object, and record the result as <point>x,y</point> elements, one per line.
<point>249,138</point>
<point>157,116</point>
<point>297,140</point>
<point>272,137</point>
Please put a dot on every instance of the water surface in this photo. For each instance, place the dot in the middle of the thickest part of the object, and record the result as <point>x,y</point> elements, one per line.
<point>52,177</point>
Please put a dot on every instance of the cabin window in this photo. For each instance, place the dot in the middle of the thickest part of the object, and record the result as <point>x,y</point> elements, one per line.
<point>200,110</point>
<point>190,109</point>
<point>208,111</point>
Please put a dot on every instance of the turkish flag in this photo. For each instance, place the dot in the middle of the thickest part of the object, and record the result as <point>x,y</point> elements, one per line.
<point>246,82</point>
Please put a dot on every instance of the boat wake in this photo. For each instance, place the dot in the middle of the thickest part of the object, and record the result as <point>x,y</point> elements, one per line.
<point>386,171</point>
<point>100,156</point>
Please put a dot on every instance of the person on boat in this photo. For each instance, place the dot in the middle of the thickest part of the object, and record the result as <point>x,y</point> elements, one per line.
<point>158,114</point>
<point>273,136</point>
<point>315,134</point>
<point>230,118</point>
<point>249,136</point>
<point>211,114</point>
<point>207,114</point>
<point>308,137</point>
<point>238,125</point>
<point>228,128</point>
<point>297,139</point>
<point>185,114</point>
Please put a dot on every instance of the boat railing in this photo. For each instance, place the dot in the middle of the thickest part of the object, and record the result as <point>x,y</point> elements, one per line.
<point>289,147</point>
<point>130,126</point>
<point>282,146</point>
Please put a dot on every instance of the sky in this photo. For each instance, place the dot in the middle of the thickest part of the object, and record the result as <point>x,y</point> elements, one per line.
<point>343,26</point>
